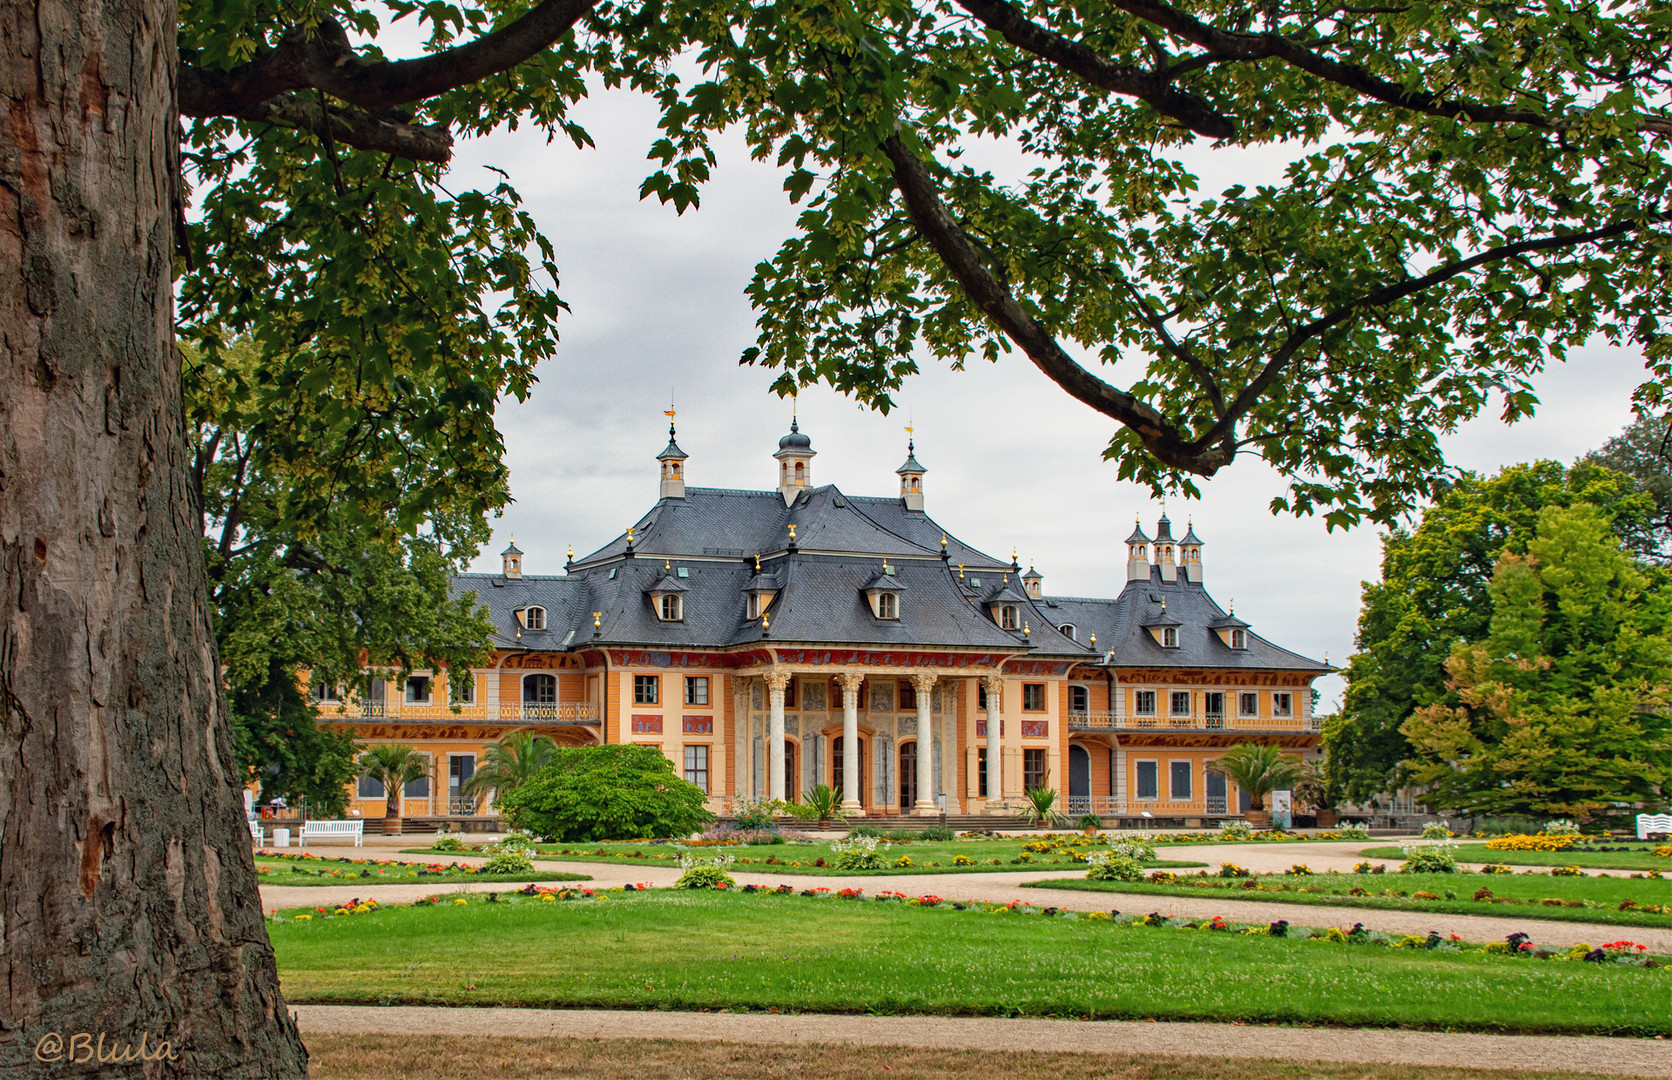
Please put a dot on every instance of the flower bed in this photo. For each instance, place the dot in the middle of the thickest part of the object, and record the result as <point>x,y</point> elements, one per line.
<point>1534,842</point>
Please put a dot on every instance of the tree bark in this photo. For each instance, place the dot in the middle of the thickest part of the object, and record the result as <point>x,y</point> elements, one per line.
<point>128,900</point>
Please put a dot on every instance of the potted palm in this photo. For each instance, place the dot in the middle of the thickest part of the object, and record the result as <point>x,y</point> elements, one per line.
<point>393,765</point>
<point>1041,807</point>
<point>1313,789</point>
<point>509,764</point>
<point>1259,770</point>
<point>825,804</point>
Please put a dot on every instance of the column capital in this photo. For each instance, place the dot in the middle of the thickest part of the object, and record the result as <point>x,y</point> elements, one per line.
<point>994,684</point>
<point>777,680</point>
<point>850,681</point>
<point>925,681</point>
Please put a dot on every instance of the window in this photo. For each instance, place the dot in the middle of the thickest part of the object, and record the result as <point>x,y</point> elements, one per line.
<point>908,696</point>
<point>1034,770</point>
<point>1033,697</point>
<point>1283,705</point>
<point>1239,639</point>
<point>324,692</point>
<point>1179,778</point>
<point>696,766</point>
<point>647,689</point>
<point>1179,703</point>
<point>1079,700</point>
<point>467,695</point>
<point>1169,637</point>
<point>981,770</point>
<point>1214,705</point>
<point>1248,704</point>
<point>696,689</point>
<point>757,604</point>
<point>534,618</point>
<point>1069,631</point>
<point>1007,617</point>
<point>981,696</point>
<point>419,788</point>
<point>540,690</point>
<point>888,606</point>
<point>669,608</point>
<point>1143,702</point>
<point>1149,782</point>
<point>370,788</point>
<point>789,694</point>
<point>418,689</point>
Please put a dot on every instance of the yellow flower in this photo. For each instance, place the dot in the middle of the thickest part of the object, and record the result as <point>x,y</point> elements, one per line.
<point>547,898</point>
<point>459,902</point>
<point>304,918</point>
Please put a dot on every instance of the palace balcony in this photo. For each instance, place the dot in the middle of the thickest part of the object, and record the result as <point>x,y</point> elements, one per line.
<point>1207,723</point>
<point>565,714</point>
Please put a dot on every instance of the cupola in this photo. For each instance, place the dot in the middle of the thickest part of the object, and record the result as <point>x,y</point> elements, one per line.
<point>1164,549</point>
<point>1190,554</point>
<point>1137,554</point>
<point>513,561</point>
<point>1034,582</point>
<point>795,462</point>
<point>673,467</point>
<point>911,479</point>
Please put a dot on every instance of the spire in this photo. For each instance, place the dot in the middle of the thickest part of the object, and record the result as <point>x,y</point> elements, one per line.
<point>911,476</point>
<point>512,556</point>
<point>1190,553</point>
<point>795,459</point>
<point>673,463</point>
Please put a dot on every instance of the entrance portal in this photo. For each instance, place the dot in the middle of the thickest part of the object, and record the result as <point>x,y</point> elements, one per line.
<point>908,776</point>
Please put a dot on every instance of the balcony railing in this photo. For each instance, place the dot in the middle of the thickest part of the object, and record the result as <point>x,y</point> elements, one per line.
<point>1104,721</point>
<point>1211,806</point>
<point>573,712</point>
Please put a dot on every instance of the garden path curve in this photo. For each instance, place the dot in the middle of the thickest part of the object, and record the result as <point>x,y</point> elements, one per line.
<point>1003,887</point>
<point>1618,1057</point>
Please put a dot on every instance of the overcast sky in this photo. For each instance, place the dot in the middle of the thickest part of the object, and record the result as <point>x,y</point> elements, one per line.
<point>659,310</point>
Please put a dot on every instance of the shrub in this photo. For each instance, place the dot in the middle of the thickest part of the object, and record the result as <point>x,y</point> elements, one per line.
<point>858,853</point>
<point>1232,870</point>
<point>962,860</point>
<point>756,813</point>
<point>1108,866</point>
<point>508,862</point>
<point>1436,830</point>
<point>448,843</point>
<point>1367,867</point>
<point>1566,871</point>
<point>1139,848</point>
<point>1353,832</point>
<point>936,833</point>
<point>1089,822</point>
<point>869,831</point>
<point>1496,868</point>
<point>1438,858</point>
<point>591,793</point>
<point>1664,851</point>
<point>705,873</point>
<point>1560,827</point>
<point>516,841</point>
<point>1236,830</point>
<point>1299,870</point>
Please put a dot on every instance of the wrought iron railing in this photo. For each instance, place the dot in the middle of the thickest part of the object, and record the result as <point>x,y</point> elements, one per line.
<point>1103,721</point>
<point>568,712</point>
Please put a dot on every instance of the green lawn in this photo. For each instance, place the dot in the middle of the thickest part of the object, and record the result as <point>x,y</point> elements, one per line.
<point>927,857</point>
<point>667,950</point>
<point>1638,859</point>
<point>1513,895</point>
<point>273,871</point>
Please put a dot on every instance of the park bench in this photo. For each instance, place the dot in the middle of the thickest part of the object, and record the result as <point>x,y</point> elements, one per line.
<point>1653,823</point>
<point>328,830</point>
<point>257,833</point>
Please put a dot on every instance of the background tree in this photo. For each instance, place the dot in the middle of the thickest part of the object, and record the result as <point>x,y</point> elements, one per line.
<point>1259,770</point>
<point>510,763</point>
<point>394,765</point>
<point>1642,451</point>
<point>1563,709</point>
<point>611,792</point>
<point>1435,590</point>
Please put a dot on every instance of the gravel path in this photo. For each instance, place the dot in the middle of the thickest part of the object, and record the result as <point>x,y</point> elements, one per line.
<point>1002,887</point>
<point>1616,1057</point>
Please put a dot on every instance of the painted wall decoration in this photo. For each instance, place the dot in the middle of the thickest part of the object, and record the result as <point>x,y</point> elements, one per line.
<point>1036,729</point>
<point>647,725</point>
<point>697,725</point>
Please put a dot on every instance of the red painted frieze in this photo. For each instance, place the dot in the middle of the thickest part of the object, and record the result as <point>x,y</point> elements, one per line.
<point>1036,729</point>
<point>698,725</point>
<point>647,725</point>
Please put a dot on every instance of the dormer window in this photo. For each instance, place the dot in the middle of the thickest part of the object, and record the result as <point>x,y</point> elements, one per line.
<point>888,606</point>
<point>1239,639</point>
<point>1169,637</point>
<point>883,593</point>
<point>1070,631</point>
<point>1009,619</point>
<point>669,607</point>
<point>533,618</point>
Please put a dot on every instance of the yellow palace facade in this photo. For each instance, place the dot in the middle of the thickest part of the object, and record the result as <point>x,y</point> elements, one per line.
<point>770,640</point>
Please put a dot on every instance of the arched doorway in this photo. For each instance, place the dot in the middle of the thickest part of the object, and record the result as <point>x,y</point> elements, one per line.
<point>1079,779</point>
<point>838,781</point>
<point>539,694</point>
<point>908,776</point>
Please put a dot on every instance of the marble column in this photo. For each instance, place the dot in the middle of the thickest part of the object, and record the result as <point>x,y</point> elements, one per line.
<point>995,745</point>
<point>850,682</point>
<point>925,684</point>
<point>776,683</point>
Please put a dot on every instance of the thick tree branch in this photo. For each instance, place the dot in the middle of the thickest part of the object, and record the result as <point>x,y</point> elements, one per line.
<point>322,58</point>
<point>979,283</point>
<point>419,142</point>
<point>1154,90</point>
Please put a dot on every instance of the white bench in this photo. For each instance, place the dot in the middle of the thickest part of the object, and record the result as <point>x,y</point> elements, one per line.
<point>327,830</point>
<point>1648,823</point>
<point>257,833</point>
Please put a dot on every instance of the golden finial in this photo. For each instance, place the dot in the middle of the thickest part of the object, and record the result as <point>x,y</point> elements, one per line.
<point>1163,605</point>
<point>1094,641</point>
<point>667,566</point>
<point>943,541</point>
<point>757,564</point>
<point>885,564</point>
<point>1006,580</point>
<point>960,571</point>
<point>792,534</point>
<point>571,552</point>
<point>629,534</point>
<point>597,619</point>
<point>766,624</point>
<point>1326,658</point>
<point>1025,630</point>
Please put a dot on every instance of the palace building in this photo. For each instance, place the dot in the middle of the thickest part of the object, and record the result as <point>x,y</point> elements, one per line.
<point>768,641</point>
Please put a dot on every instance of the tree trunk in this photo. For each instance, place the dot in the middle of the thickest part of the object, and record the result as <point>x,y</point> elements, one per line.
<point>128,902</point>
<point>392,811</point>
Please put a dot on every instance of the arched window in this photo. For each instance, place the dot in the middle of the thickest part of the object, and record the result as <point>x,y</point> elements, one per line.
<point>1170,637</point>
<point>1070,631</point>
<point>540,690</point>
<point>534,618</point>
<point>888,606</point>
<point>669,608</point>
<point>800,474</point>
<point>1008,618</point>
<point>1239,639</point>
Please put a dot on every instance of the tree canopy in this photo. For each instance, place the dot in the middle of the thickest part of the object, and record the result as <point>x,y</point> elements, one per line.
<point>1563,708</point>
<point>588,793</point>
<point>1435,590</point>
<point>1471,193</point>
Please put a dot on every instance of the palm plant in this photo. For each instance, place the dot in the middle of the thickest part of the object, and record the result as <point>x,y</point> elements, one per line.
<point>1042,807</point>
<point>510,763</point>
<point>1260,770</point>
<point>393,765</point>
<point>825,804</point>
